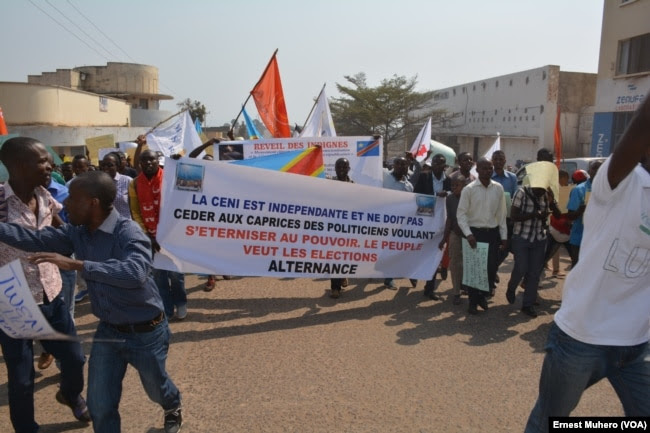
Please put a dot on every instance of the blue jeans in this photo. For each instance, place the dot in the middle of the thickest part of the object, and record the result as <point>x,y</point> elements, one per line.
<point>147,353</point>
<point>19,359</point>
<point>529,261</point>
<point>571,366</point>
<point>171,286</point>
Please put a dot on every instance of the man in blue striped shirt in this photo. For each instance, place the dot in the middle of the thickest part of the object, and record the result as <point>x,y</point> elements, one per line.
<point>114,256</point>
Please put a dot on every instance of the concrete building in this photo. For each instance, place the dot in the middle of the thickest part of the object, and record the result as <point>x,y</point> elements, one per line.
<point>65,107</point>
<point>522,107</point>
<point>623,70</point>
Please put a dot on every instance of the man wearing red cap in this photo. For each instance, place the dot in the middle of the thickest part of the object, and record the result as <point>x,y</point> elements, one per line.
<point>577,203</point>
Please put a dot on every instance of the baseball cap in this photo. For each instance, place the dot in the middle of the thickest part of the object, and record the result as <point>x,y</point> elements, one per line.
<point>579,176</point>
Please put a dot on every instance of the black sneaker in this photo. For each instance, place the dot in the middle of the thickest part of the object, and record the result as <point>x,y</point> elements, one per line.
<point>173,421</point>
<point>529,311</point>
<point>79,409</point>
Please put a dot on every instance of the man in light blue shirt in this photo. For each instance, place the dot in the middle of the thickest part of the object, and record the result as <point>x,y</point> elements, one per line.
<point>576,207</point>
<point>507,179</point>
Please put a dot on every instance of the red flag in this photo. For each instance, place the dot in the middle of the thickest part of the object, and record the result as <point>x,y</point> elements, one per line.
<point>557,135</point>
<point>269,99</point>
<point>3,125</point>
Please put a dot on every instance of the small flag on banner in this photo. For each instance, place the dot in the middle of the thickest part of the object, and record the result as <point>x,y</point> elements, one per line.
<point>368,148</point>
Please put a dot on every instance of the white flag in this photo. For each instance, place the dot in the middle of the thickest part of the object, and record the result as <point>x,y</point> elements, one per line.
<point>422,142</point>
<point>319,123</point>
<point>175,137</point>
<point>495,146</point>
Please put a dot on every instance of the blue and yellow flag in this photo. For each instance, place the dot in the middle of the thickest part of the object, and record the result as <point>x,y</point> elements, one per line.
<point>308,162</point>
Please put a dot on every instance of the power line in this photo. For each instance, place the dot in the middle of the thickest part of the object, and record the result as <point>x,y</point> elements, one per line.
<point>69,31</point>
<point>82,30</point>
<point>112,41</point>
<point>100,31</point>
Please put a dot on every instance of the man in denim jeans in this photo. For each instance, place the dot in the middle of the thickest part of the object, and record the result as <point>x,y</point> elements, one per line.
<point>602,328</point>
<point>113,255</point>
<point>26,203</point>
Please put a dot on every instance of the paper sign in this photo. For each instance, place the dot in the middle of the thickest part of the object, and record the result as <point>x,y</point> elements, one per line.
<point>543,174</point>
<point>475,265</point>
<point>508,202</point>
<point>20,317</point>
<point>94,144</point>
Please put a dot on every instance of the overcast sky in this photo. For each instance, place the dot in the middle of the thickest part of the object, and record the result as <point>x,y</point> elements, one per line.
<point>215,51</point>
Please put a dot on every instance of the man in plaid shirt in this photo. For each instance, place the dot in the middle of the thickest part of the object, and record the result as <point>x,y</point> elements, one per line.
<point>530,210</point>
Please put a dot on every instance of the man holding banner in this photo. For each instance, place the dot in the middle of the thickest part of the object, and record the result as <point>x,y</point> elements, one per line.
<point>144,200</point>
<point>397,179</point>
<point>26,203</point>
<point>114,256</point>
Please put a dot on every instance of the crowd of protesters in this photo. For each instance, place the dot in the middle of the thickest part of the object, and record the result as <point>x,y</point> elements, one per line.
<point>96,228</point>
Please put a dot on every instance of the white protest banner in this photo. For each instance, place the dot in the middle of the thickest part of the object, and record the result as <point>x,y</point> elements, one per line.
<point>287,225</point>
<point>364,153</point>
<point>475,266</point>
<point>175,137</point>
<point>20,317</point>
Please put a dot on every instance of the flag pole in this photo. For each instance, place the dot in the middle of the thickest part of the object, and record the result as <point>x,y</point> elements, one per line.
<point>313,106</point>
<point>232,127</point>
<point>161,122</point>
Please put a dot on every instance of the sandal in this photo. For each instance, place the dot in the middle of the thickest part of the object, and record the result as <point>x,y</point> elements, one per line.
<point>210,284</point>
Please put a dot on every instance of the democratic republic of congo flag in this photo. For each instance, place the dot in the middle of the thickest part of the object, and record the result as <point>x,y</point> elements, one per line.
<point>368,148</point>
<point>308,162</point>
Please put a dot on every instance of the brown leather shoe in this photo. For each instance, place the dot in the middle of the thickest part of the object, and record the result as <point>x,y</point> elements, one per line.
<point>45,360</point>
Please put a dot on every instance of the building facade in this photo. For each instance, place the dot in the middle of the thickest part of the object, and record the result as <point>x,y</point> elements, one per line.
<point>623,70</point>
<point>522,107</point>
<point>63,108</point>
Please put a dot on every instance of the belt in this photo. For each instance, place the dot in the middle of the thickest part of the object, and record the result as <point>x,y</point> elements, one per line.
<point>483,229</point>
<point>147,326</point>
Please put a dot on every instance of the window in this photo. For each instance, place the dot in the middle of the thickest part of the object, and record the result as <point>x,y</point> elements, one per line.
<point>621,120</point>
<point>144,104</point>
<point>634,55</point>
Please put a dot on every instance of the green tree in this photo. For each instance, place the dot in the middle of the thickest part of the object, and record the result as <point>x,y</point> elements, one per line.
<point>196,109</point>
<point>393,109</point>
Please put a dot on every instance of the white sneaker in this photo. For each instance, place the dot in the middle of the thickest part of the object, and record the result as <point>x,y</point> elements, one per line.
<point>181,312</point>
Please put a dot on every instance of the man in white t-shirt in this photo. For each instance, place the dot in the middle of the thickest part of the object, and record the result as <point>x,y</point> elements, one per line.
<point>602,328</point>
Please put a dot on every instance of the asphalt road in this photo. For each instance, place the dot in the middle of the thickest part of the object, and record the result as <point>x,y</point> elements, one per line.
<point>279,355</point>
